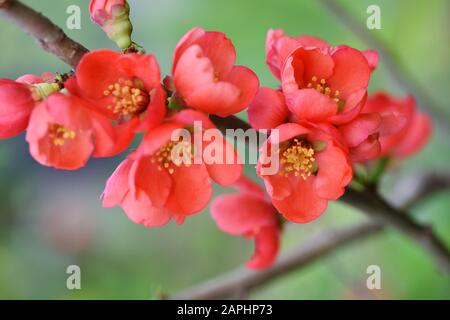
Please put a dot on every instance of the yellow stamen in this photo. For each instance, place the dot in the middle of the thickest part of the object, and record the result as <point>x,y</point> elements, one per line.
<point>127,98</point>
<point>297,158</point>
<point>59,134</point>
<point>323,87</point>
<point>173,154</point>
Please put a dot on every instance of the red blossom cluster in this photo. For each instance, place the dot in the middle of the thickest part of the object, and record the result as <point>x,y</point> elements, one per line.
<point>326,124</point>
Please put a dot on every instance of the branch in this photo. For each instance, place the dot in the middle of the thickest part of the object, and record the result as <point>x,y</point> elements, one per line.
<point>376,207</point>
<point>49,36</point>
<point>244,280</point>
<point>394,66</point>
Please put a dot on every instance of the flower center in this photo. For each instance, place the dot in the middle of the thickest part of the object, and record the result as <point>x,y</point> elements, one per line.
<point>323,87</point>
<point>298,158</point>
<point>173,154</point>
<point>128,97</point>
<point>59,134</point>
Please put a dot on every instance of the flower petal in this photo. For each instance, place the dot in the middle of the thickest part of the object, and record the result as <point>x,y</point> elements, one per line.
<point>351,71</point>
<point>268,109</point>
<point>191,190</point>
<point>142,212</point>
<point>117,185</point>
<point>266,248</point>
<point>242,214</point>
<point>360,128</point>
<point>335,172</point>
<point>311,105</point>
<point>303,204</point>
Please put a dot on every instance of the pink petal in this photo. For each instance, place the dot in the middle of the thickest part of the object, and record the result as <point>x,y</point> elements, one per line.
<point>303,204</point>
<point>360,128</point>
<point>351,71</point>
<point>191,190</point>
<point>142,212</point>
<point>335,172</point>
<point>311,105</point>
<point>117,185</point>
<point>146,178</point>
<point>227,167</point>
<point>268,109</point>
<point>266,248</point>
<point>241,214</point>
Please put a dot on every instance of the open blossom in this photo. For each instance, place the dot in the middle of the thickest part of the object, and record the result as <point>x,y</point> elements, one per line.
<point>366,134</point>
<point>64,132</point>
<point>113,17</point>
<point>152,185</point>
<point>414,132</point>
<point>279,46</point>
<point>205,76</point>
<point>124,87</point>
<point>313,168</point>
<point>326,85</point>
<point>59,133</point>
<point>17,100</point>
<point>250,213</point>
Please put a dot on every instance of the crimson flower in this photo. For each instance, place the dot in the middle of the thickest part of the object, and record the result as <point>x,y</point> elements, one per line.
<point>313,168</point>
<point>152,186</point>
<point>411,136</point>
<point>124,87</point>
<point>59,133</point>
<point>279,46</point>
<point>325,85</point>
<point>205,76</point>
<point>249,213</point>
<point>17,100</point>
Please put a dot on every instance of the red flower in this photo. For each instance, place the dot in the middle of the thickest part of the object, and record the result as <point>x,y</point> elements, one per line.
<point>268,109</point>
<point>205,76</point>
<point>326,85</point>
<point>414,132</point>
<point>364,134</point>
<point>313,169</point>
<point>17,100</point>
<point>279,46</point>
<point>64,131</point>
<point>249,213</point>
<point>113,17</point>
<point>152,187</point>
<point>59,133</point>
<point>124,87</point>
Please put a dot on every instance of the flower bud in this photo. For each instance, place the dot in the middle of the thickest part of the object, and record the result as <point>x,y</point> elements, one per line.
<point>113,17</point>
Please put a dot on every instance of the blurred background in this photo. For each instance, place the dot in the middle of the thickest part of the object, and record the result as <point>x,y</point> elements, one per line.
<point>52,219</point>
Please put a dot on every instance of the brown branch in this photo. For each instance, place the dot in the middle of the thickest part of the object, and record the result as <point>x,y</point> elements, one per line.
<point>244,280</point>
<point>376,207</point>
<point>398,71</point>
<point>50,37</point>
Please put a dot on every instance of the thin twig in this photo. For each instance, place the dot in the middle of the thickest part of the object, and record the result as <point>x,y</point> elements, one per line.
<point>246,280</point>
<point>376,207</point>
<point>398,71</point>
<point>50,37</point>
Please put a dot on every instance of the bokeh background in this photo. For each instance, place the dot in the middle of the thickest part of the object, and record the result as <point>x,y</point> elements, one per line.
<point>51,219</point>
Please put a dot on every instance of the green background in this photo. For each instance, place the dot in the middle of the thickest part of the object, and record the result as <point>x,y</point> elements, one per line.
<point>51,219</point>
